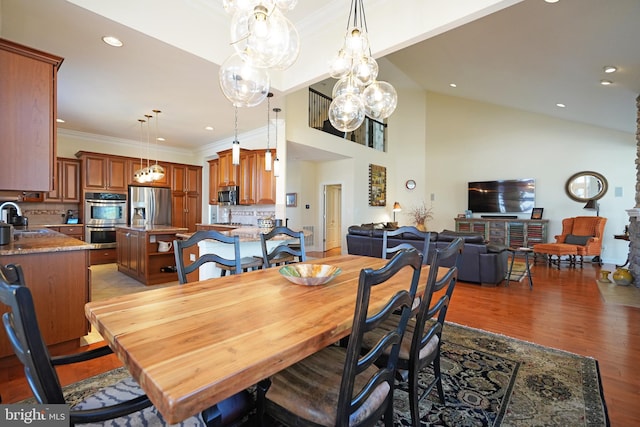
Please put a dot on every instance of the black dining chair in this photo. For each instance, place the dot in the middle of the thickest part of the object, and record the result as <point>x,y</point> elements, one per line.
<point>421,343</point>
<point>234,265</point>
<point>422,239</point>
<point>124,401</point>
<point>285,253</point>
<point>340,386</point>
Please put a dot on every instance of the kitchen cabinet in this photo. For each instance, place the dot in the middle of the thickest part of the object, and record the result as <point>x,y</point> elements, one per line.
<point>247,178</point>
<point>76,230</point>
<point>265,185</point>
<point>228,173</point>
<point>28,80</point>
<point>213,181</point>
<point>104,172</point>
<point>186,197</point>
<point>67,182</point>
<point>59,282</point>
<point>138,255</point>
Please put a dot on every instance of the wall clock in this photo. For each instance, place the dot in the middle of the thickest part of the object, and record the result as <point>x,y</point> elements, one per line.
<point>410,184</point>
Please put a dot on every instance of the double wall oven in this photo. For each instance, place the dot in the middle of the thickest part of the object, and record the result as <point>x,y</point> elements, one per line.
<point>102,213</point>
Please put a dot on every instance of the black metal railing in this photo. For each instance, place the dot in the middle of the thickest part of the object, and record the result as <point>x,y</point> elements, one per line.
<point>371,133</point>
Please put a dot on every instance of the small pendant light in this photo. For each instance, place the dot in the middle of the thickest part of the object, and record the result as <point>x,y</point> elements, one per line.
<point>276,162</point>
<point>267,154</point>
<point>235,146</point>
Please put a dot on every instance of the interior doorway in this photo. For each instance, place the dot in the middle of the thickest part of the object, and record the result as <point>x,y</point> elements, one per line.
<point>332,217</point>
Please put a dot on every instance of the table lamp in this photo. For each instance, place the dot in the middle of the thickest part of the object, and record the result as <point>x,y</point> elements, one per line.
<point>396,208</point>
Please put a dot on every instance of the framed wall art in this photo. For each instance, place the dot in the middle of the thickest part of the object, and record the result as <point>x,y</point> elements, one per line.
<point>292,200</point>
<point>377,185</point>
<point>536,213</point>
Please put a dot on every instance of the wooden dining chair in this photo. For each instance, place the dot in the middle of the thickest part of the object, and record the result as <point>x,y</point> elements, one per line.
<point>421,343</point>
<point>422,241</point>
<point>232,265</point>
<point>285,253</point>
<point>340,386</point>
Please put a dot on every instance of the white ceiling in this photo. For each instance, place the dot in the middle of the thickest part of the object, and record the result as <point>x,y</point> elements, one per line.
<point>529,55</point>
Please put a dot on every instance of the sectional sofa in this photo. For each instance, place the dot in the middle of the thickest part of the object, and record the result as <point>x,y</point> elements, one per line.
<point>482,262</point>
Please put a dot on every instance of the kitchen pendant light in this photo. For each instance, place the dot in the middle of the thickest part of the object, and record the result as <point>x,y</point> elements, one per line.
<point>235,146</point>
<point>267,154</point>
<point>276,162</point>
<point>137,176</point>
<point>146,172</point>
<point>156,171</point>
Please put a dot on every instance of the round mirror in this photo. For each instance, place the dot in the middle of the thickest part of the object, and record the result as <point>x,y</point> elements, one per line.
<point>585,186</point>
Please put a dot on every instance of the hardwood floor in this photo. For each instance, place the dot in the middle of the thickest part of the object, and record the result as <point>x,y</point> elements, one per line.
<point>564,310</point>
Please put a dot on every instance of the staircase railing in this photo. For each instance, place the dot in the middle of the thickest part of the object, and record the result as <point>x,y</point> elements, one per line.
<point>371,133</point>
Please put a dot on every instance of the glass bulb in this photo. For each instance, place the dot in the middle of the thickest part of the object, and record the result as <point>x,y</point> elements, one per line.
<point>276,167</point>
<point>340,65</point>
<point>356,42</point>
<point>243,84</point>
<point>156,172</point>
<point>268,51</point>
<point>292,50</point>
<point>380,100</point>
<point>235,153</point>
<point>346,112</point>
<point>267,160</point>
<point>347,84</point>
<point>365,70</point>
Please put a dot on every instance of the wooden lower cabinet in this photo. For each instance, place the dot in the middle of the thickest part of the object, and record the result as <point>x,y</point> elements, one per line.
<point>60,286</point>
<point>103,256</point>
<point>139,258</point>
<point>512,232</point>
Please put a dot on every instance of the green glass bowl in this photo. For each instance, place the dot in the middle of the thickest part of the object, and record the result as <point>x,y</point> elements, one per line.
<point>309,274</point>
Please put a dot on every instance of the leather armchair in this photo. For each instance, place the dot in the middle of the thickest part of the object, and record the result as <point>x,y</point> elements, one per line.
<point>585,232</point>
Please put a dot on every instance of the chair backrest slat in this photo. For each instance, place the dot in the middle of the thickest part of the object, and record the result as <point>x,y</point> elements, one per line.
<point>297,249</point>
<point>185,268</point>
<point>422,240</point>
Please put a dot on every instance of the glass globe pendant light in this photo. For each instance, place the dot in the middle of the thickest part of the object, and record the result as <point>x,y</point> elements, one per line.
<point>137,176</point>
<point>243,84</point>
<point>156,171</point>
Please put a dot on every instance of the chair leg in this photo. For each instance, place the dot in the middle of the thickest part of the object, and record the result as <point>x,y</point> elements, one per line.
<point>414,397</point>
<point>438,377</point>
<point>261,390</point>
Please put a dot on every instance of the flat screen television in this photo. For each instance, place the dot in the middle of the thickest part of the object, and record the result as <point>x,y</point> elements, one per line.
<point>502,196</point>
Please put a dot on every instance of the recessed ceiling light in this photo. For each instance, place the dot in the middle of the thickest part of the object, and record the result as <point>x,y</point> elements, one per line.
<point>59,121</point>
<point>551,1</point>
<point>160,139</point>
<point>453,85</point>
<point>208,128</point>
<point>561,105</point>
<point>610,69</point>
<point>605,82</point>
<point>112,41</point>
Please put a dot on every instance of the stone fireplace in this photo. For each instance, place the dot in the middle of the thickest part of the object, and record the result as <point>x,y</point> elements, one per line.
<point>634,214</point>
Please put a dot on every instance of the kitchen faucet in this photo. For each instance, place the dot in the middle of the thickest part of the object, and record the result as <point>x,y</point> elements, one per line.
<point>15,205</point>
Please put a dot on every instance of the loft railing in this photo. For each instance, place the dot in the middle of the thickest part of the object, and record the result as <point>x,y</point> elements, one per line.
<point>371,133</point>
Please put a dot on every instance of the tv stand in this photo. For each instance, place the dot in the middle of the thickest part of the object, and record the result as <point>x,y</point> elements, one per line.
<point>507,231</point>
<point>500,216</point>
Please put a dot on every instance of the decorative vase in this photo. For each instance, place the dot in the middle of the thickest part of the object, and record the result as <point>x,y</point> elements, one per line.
<point>622,277</point>
<point>420,226</point>
<point>604,276</point>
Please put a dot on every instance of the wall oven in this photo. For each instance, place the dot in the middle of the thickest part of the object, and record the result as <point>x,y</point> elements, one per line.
<point>102,213</point>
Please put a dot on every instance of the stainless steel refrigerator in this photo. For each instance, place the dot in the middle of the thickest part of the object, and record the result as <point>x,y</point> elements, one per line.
<point>149,206</point>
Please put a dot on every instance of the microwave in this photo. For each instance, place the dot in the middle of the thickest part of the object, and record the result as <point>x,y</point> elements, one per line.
<point>228,195</point>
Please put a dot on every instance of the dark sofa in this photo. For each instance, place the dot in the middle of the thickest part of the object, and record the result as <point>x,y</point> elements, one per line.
<point>482,262</point>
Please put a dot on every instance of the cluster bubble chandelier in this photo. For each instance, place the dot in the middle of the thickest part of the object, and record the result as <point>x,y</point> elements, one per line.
<point>358,92</point>
<point>263,38</point>
<point>152,172</point>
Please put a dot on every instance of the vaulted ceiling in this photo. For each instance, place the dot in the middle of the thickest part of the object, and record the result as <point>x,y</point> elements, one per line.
<point>528,55</point>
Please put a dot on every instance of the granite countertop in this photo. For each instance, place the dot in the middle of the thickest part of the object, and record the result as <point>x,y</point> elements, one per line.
<point>39,240</point>
<point>246,234</point>
<point>154,228</point>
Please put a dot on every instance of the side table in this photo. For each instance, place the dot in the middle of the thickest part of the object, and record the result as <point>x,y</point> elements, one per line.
<point>520,251</point>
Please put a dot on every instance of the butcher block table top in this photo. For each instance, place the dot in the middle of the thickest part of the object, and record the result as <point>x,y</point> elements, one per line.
<point>190,346</point>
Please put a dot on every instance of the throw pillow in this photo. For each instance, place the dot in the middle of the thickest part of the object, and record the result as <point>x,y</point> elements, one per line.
<point>576,240</point>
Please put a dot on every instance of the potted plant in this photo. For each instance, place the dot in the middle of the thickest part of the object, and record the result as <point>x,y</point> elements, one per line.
<point>421,214</point>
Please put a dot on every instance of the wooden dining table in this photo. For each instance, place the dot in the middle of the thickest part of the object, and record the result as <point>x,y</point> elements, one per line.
<point>191,346</point>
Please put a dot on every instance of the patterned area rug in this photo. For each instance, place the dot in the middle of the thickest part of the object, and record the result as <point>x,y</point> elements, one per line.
<point>519,269</point>
<point>488,379</point>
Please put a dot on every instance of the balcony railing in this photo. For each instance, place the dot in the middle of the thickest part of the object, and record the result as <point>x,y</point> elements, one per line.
<point>371,133</point>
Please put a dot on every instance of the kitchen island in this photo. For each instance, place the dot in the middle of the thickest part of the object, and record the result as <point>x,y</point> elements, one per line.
<point>250,246</point>
<point>56,270</point>
<point>139,255</point>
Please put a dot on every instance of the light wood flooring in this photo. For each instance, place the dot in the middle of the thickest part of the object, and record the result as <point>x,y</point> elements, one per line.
<point>565,310</point>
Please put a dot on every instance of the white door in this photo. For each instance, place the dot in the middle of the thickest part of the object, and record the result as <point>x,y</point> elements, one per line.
<point>332,215</point>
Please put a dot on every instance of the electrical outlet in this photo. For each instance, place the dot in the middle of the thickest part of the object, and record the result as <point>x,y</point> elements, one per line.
<point>192,257</point>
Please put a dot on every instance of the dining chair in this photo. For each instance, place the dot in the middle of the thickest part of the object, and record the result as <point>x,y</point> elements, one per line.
<point>422,239</point>
<point>233,265</point>
<point>421,343</point>
<point>285,253</point>
<point>340,386</point>
<point>124,400</point>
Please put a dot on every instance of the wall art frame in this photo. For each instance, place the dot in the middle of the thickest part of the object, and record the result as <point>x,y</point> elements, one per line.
<point>292,200</point>
<point>377,185</point>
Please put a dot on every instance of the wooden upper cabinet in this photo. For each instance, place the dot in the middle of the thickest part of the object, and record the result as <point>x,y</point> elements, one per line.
<point>27,117</point>
<point>186,179</point>
<point>247,178</point>
<point>213,181</point>
<point>104,172</point>
<point>228,174</point>
<point>265,185</point>
<point>67,184</point>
